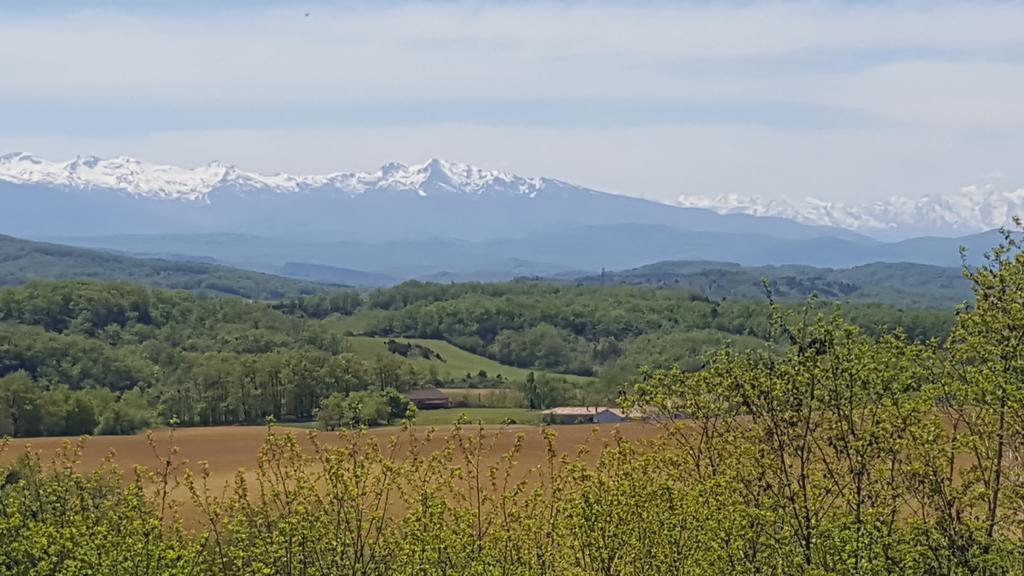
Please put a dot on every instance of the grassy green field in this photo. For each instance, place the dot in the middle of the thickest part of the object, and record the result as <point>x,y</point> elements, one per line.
<point>485,397</point>
<point>447,416</point>
<point>356,323</point>
<point>457,362</point>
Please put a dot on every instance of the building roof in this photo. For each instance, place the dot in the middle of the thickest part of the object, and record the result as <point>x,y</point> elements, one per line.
<point>581,411</point>
<point>425,394</point>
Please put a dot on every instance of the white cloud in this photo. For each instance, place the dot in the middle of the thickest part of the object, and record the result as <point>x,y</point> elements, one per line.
<point>470,50</point>
<point>940,94</point>
<point>938,84</point>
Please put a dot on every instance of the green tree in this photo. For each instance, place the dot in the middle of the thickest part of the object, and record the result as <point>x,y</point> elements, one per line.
<point>20,401</point>
<point>983,397</point>
<point>334,413</point>
<point>80,416</point>
<point>130,414</point>
<point>399,407</point>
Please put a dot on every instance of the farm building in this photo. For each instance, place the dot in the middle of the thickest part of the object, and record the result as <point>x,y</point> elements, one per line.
<point>428,398</point>
<point>583,415</point>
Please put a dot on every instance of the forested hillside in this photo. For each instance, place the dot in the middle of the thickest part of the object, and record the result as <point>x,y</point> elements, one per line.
<point>899,284</point>
<point>590,329</point>
<point>77,356</point>
<point>24,260</point>
<point>120,357</point>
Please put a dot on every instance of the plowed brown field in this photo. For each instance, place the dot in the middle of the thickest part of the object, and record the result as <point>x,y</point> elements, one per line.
<point>230,448</point>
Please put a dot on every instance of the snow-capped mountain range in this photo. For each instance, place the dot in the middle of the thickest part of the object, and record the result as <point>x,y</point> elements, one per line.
<point>971,209</point>
<point>357,202</point>
<point>436,199</point>
<point>141,178</point>
<point>449,218</point>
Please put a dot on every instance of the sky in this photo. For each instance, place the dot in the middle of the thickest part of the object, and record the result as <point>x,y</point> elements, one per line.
<point>839,100</point>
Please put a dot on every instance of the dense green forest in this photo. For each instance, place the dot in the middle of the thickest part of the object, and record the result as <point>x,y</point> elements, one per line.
<point>139,356</point>
<point>595,329</point>
<point>844,453</point>
<point>22,261</point>
<point>80,356</point>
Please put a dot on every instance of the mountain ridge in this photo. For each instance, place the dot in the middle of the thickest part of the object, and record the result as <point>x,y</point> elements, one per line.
<point>899,283</point>
<point>971,209</point>
<point>164,181</point>
<point>612,247</point>
<point>123,195</point>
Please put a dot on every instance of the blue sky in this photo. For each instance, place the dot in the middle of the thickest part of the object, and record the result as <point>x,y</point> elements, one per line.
<point>848,101</point>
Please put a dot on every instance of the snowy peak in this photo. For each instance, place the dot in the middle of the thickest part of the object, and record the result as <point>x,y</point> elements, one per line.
<point>971,209</point>
<point>439,177</point>
<point>736,204</point>
<point>140,178</point>
<point>122,173</point>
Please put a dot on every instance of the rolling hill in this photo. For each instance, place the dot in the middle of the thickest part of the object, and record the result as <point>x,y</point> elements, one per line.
<point>564,252</point>
<point>902,284</point>
<point>899,283</point>
<point>22,261</point>
<point>335,275</point>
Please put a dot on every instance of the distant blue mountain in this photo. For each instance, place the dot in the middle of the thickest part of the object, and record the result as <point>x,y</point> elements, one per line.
<point>89,196</point>
<point>439,220</point>
<point>565,253</point>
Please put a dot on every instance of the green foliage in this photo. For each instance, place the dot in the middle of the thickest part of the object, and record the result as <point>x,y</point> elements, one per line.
<point>28,410</point>
<point>585,330</point>
<point>335,412</point>
<point>127,416</point>
<point>543,392</point>
<point>363,408</point>
<point>168,355</point>
<point>543,346</point>
<point>56,520</point>
<point>321,306</point>
<point>868,456</point>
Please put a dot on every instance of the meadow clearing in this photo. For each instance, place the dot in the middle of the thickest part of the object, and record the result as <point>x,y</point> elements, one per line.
<point>455,362</point>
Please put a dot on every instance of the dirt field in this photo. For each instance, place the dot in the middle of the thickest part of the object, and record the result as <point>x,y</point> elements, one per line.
<point>230,448</point>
